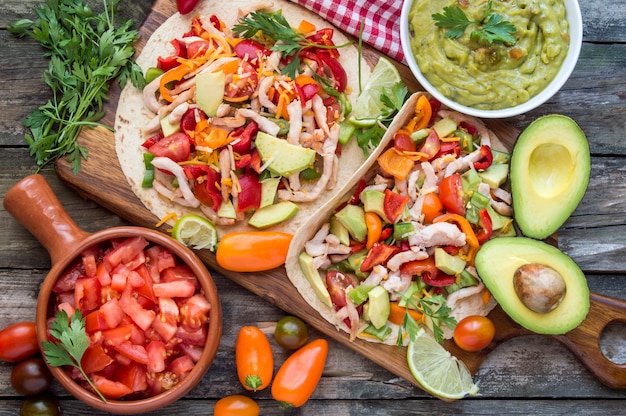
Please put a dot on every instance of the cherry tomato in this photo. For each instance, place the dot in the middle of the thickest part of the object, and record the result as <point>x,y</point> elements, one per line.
<point>175,146</point>
<point>40,406</point>
<point>243,84</point>
<point>253,251</point>
<point>404,143</point>
<point>185,6</point>
<point>236,405</point>
<point>451,194</point>
<point>431,207</point>
<point>18,341</point>
<point>299,375</point>
<point>473,333</point>
<point>255,362</point>
<point>291,332</point>
<point>31,376</point>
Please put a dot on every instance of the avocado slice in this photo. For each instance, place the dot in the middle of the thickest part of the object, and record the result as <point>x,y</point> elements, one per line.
<point>210,91</point>
<point>374,201</point>
<point>284,158</point>
<point>273,214</point>
<point>497,262</point>
<point>353,218</point>
<point>378,306</point>
<point>338,230</point>
<point>550,167</point>
<point>314,278</point>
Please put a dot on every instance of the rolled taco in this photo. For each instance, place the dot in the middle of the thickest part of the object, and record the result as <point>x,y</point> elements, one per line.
<point>395,247</point>
<point>232,125</point>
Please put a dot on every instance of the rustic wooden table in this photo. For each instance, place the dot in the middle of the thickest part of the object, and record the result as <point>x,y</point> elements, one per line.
<point>526,375</point>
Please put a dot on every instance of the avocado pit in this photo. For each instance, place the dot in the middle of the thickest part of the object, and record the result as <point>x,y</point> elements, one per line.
<point>539,287</point>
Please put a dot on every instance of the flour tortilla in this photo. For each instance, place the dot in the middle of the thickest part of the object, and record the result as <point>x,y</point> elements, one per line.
<point>312,226</point>
<point>132,114</point>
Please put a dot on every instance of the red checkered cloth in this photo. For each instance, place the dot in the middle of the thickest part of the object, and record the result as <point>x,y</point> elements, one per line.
<point>380,17</point>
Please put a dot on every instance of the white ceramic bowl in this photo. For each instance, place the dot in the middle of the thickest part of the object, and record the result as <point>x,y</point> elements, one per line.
<point>574,18</point>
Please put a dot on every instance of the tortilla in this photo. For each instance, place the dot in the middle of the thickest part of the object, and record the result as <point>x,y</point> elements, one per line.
<point>132,114</point>
<point>311,227</point>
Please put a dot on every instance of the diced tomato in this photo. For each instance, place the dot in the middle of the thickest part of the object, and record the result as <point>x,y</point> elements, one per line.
<point>146,289</point>
<point>67,280</point>
<point>394,204</point>
<point>165,259</point>
<point>156,356</point>
<point>89,263</point>
<point>65,297</point>
<point>197,337</point>
<point>166,323</point>
<point>132,376</point>
<point>95,359</point>
<point>174,289</point>
<point>67,307</point>
<point>117,336</point>
<point>193,351</point>
<point>181,366</point>
<point>137,336</point>
<point>182,272</point>
<point>140,316</point>
<point>135,279</point>
<point>113,313</point>
<point>125,252</point>
<point>176,146</point>
<point>451,194</point>
<point>103,275</point>
<point>135,352</point>
<point>197,48</point>
<point>110,389</point>
<point>119,276</point>
<point>87,293</point>
<point>96,321</point>
<point>194,311</point>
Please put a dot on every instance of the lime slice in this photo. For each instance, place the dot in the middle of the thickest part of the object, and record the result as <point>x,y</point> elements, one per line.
<point>196,232</point>
<point>436,370</point>
<point>368,105</point>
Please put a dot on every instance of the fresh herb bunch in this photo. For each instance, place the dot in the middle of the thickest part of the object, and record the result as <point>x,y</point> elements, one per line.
<point>274,26</point>
<point>73,342</point>
<point>369,137</point>
<point>434,308</point>
<point>491,28</point>
<point>86,52</point>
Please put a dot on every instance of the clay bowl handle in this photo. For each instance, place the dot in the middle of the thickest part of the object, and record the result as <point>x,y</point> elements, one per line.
<point>584,341</point>
<point>33,204</point>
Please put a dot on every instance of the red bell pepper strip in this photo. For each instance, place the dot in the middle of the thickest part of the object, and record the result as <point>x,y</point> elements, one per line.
<point>337,71</point>
<point>440,281</point>
<point>250,194</point>
<point>393,205</point>
<point>486,231</point>
<point>486,158</point>
<point>425,267</point>
<point>168,62</point>
<point>378,254</point>
<point>242,138</point>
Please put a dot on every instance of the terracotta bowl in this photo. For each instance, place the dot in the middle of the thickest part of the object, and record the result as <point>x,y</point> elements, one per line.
<point>33,204</point>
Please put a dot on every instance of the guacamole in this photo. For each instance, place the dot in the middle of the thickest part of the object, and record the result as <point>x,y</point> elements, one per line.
<point>491,76</point>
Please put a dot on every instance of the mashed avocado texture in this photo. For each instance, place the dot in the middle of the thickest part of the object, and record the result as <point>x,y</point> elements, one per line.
<point>491,76</point>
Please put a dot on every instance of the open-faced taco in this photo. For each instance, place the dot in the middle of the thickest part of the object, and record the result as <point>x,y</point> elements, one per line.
<point>395,248</point>
<point>241,117</point>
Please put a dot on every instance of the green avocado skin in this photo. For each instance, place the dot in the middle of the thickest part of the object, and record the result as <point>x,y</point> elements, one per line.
<point>498,259</point>
<point>550,168</point>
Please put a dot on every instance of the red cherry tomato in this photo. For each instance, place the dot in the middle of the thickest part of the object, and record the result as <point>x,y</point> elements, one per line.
<point>473,333</point>
<point>236,405</point>
<point>18,341</point>
<point>185,6</point>
<point>404,143</point>
<point>451,194</point>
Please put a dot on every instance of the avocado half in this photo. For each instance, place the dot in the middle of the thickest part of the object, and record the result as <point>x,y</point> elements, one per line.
<point>498,259</point>
<point>550,167</point>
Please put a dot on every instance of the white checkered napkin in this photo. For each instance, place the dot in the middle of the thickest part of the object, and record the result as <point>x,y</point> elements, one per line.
<point>380,17</point>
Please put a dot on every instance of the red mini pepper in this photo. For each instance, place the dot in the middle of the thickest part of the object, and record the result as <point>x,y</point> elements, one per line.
<point>393,205</point>
<point>379,254</point>
<point>487,228</point>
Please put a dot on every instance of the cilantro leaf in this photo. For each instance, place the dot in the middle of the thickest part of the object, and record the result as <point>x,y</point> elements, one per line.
<point>433,308</point>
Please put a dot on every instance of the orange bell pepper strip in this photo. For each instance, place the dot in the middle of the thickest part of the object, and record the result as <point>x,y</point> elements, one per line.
<point>423,113</point>
<point>374,228</point>
<point>395,164</point>
<point>397,313</point>
<point>175,74</point>
<point>466,227</point>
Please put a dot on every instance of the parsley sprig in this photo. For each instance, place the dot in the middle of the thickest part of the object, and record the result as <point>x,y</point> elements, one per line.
<point>274,26</point>
<point>73,342</point>
<point>490,29</point>
<point>369,138</point>
<point>86,52</point>
<point>434,308</point>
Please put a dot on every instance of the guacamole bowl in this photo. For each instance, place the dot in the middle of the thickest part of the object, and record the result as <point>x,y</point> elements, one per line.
<point>470,71</point>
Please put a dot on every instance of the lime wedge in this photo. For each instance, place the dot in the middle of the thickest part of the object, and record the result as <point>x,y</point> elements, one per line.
<point>196,232</point>
<point>436,370</point>
<point>368,105</point>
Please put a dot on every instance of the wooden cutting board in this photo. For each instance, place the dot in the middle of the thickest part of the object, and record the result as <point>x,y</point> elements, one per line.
<point>101,180</point>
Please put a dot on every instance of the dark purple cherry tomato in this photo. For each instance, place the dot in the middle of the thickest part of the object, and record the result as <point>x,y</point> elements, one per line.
<point>185,6</point>
<point>31,376</point>
<point>40,406</point>
<point>291,332</point>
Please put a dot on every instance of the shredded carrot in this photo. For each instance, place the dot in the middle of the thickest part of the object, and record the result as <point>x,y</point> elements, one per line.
<point>230,67</point>
<point>170,216</point>
<point>281,108</point>
<point>302,80</point>
<point>450,139</point>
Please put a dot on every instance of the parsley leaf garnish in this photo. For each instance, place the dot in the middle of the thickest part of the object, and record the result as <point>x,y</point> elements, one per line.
<point>86,52</point>
<point>434,308</point>
<point>73,342</point>
<point>491,28</point>
<point>273,25</point>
